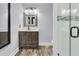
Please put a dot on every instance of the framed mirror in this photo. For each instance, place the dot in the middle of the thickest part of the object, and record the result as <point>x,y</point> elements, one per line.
<point>30,17</point>
<point>4,24</point>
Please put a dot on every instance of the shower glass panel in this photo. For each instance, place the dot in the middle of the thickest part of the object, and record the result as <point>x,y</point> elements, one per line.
<point>75,23</point>
<point>68,29</point>
<point>63,30</point>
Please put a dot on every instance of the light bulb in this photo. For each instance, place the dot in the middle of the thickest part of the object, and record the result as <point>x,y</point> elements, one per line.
<point>63,12</point>
<point>26,11</point>
<point>74,11</point>
<point>35,11</point>
<point>31,11</point>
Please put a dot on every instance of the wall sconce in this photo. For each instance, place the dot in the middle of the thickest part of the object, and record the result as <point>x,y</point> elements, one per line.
<point>31,11</point>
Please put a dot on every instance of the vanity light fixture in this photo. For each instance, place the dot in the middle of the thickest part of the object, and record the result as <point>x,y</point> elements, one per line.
<point>31,11</point>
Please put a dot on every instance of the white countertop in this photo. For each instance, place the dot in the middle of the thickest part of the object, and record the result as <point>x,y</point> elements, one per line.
<point>29,30</point>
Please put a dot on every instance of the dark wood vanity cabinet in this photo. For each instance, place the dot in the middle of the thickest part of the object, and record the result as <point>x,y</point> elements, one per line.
<point>28,39</point>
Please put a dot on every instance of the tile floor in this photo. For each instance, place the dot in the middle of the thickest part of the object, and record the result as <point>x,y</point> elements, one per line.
<point>41,51</point>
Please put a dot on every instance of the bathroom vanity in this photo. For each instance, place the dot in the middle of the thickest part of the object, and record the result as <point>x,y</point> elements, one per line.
<point>28,39</point>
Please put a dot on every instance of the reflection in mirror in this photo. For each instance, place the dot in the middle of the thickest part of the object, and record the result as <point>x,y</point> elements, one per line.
<point>30,20</point>
<point>4,24</point>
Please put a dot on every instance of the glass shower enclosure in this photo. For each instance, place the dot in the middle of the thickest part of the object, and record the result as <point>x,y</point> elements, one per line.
<point>68,29</point>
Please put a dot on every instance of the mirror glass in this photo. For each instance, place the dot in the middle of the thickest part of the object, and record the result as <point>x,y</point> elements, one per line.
<point>4,24</point>
<point>30,20</point>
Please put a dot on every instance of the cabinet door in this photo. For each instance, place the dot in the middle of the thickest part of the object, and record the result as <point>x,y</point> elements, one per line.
<point>28,38</point>
<point>34,38</point>
<point>22,39</point>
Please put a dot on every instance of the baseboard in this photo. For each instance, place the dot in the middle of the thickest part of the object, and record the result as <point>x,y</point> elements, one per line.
<point>14,52</point>
<point>45,44</point>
